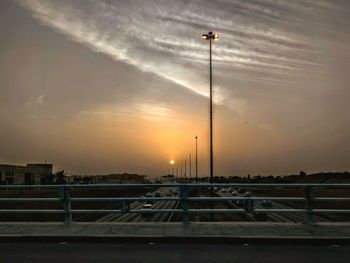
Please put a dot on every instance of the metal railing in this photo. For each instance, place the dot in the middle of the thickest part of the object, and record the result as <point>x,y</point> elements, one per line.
<point>64,197</point>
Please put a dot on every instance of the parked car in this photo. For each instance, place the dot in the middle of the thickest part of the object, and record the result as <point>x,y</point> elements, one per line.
<point>157,194</point>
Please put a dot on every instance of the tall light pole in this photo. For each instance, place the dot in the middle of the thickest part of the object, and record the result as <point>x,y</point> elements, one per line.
<point>196,138</point>
<point>210,36</point>
<point>190,165</point>
<point>185,175</point>
<point>181,171</point>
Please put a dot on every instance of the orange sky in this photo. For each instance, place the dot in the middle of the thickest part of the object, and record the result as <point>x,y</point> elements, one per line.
<point>95,98</point>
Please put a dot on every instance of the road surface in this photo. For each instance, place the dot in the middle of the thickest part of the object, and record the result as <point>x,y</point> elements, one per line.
<point>154,253</point>
<point>135,217</point>
<point>274,216</point>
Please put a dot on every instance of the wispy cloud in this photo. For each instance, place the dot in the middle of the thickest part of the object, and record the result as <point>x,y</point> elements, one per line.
<point>270,37</point>
<point>40,99</point>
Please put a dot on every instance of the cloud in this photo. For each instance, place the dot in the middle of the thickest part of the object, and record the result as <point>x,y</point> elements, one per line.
<point>139,109</point>
<point>40,99</point>
<point>163,37</point>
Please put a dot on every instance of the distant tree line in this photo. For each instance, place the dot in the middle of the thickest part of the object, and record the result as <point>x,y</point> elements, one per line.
<point>302,177</point>
<point>59,177</point>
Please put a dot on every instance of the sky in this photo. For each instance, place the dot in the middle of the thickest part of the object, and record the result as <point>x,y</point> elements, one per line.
<point>111,86</point>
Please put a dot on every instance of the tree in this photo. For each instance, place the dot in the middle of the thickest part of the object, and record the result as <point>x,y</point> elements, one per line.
<point>60,177</point>
<point>302,174</point>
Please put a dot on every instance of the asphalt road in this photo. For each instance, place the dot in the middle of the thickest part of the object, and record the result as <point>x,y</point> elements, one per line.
<point>133,217</point>
<point>276,217</point>
<point>194,253</point>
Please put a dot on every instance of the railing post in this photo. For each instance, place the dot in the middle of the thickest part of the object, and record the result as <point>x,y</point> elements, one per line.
<point>125,207</point>
<point>309,203</point>
<point>65,199</point>
<point>249,206</point>
<point>184,204</point>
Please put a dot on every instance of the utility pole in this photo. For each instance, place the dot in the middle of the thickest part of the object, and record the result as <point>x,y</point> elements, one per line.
<point>190,164</point>
<point>196,138</point>
<point>181,170</point>
<point>210,36</point>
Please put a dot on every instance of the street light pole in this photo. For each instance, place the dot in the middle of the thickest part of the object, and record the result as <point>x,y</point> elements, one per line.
<point>209,37</point>
<point>190,166</point>
<point>185,169</point>
<point>196,138</point>
<point>181,170</point>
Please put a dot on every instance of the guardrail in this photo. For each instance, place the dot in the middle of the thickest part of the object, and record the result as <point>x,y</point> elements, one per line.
<point>183,197</point>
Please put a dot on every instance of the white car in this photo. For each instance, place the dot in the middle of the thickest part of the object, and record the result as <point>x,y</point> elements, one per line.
<point>145,209</point>
<point>234,192</point>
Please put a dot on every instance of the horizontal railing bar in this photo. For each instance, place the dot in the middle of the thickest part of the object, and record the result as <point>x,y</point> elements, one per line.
<point>145,199</point>
<point>332,198</point>
<point>119,199</point>
<point>238,185</point>
<point>331,210</point>
<point>279,210</point>
<point>84,199</point>
<point>119,211</point>
<point>182,211</point>
<point>32,211</point>
<point>99,211</point>
<point>157,211</point>
<point>8,199</point>
<point>216,210</point>
<point>245,198</point>
<point>152,211</point>
<point>81,211</point>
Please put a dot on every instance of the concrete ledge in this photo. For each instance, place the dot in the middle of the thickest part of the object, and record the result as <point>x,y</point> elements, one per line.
<point>178,232</point>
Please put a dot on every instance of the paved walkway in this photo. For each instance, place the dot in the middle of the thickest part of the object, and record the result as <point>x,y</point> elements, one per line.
<point>200,231</point>
<point>67,252</point>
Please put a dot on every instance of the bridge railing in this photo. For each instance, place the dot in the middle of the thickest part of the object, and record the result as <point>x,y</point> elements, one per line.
<point>309,198</point>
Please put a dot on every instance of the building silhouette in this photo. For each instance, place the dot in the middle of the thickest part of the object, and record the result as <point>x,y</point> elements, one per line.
<point>33,173</point>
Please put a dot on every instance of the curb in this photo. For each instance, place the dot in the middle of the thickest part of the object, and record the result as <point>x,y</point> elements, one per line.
<point>273,240</point>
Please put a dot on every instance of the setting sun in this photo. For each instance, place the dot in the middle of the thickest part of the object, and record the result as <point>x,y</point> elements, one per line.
<point>172,162</point>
